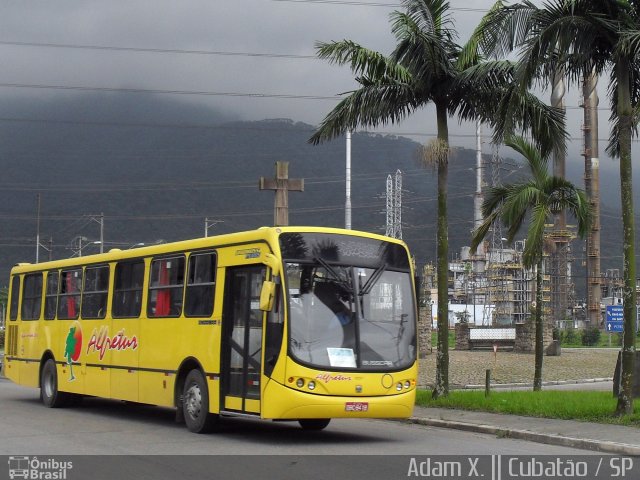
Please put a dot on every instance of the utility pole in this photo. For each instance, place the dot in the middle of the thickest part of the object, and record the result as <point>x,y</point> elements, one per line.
<point>38,229</point>
<point>99,219</point>
<point>282,185</point>
<point>347,203</point>
<point>101,232</point>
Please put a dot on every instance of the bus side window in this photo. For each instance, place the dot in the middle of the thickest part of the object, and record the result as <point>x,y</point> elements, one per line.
<point>32,296</point>
<point>166,287</point>
<point>15,297</point>
<point>51,296</point>
<point>200,285</point>
<point>127,290</point>
<point>94,294</point>
<point>69,298</point>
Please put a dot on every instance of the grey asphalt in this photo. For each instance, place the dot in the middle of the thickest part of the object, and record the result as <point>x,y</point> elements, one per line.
<point>613,439</point>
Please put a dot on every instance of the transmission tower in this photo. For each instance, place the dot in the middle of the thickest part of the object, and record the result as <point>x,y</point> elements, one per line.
<point>394,205</point>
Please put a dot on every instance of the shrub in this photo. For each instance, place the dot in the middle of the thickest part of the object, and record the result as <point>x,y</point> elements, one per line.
<point>590,336</point>
<point>569,336</point>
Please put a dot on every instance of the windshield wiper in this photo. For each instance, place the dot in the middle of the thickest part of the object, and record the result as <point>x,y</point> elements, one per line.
<point>366,288</point>
<point>346,284</point>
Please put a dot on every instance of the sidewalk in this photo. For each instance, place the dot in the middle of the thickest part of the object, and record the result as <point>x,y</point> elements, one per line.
<point>614,439</point>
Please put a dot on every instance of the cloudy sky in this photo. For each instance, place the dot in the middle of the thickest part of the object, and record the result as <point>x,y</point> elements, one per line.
<point>252,58</point>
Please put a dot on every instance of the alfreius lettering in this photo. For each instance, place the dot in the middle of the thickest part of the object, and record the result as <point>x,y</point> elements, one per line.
<point>101,342</point>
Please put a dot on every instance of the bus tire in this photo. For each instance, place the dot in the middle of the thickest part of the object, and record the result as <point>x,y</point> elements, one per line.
<point>49,394</point>
<point>195,404</point>
<point>314,423</point>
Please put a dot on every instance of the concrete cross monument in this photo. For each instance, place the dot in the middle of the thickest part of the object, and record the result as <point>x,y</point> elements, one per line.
<point>282,185</point>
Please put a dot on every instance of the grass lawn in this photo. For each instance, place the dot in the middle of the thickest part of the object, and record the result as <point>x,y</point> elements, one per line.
<point>587,406</point>
<point>606,340</point>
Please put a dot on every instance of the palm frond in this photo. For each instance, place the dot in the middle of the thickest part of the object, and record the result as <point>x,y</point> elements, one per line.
<point>503,28</point>
<point>422,50</point>
<point>519,111</point>
<point>538,164</point>
<point>375,103</point>
<point>362,61</point>
<point>535,235</point>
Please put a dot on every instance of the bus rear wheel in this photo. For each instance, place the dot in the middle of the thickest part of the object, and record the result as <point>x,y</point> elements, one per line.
<point>49,394</point>
<point>314,423</point>
<point>195,404</point>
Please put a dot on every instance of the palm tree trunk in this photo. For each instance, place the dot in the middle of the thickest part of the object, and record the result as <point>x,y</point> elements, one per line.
<point>625,395</point>
<point>539,346</point>
<point>442,359</point>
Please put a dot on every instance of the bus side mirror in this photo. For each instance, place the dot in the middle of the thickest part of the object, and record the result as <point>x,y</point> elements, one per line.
<point>267,294</point>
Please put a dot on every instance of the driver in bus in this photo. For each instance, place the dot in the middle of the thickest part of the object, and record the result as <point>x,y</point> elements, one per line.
<point>331,295</point>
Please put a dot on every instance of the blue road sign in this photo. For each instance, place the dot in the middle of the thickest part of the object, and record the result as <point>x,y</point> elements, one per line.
<point>615,327</point>
<point>615,318</point>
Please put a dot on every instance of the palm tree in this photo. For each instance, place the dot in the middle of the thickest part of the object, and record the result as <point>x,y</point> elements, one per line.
<point>428,67</point>
<point>538,199</point>
<point>582,36</point>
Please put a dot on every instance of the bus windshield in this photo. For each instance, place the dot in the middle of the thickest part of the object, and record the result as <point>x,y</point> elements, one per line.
<point>351,316</point>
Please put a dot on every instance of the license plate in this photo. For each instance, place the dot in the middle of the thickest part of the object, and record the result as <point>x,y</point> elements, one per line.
<point>356,407</point>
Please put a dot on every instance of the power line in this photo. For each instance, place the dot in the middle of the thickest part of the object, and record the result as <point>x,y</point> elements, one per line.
<point>230,184</point>
<point>375,4</point>
<point>168,92</point>
<point>114,48</point>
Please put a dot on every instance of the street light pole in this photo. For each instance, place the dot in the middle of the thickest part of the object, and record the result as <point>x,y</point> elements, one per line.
<point>347,203</point>
<point>101,232</point>
<point>38,230</point>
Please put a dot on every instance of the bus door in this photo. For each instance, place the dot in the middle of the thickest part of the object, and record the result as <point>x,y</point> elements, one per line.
<point>242,322</point>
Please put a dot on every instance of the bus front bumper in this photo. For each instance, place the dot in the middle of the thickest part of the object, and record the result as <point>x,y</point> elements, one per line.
<point>281,402</point>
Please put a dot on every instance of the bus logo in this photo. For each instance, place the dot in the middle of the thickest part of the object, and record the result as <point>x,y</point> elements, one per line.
<point>18,467</point>
<point>73,347</point>
<point>101,342</point>
<point>249,253</point>
<point>33,468</point>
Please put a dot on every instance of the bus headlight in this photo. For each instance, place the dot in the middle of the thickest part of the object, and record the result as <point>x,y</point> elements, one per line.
<point>311,385</point>
<point>300,383</point>
<point>399,386</point>
<point>407,384</point>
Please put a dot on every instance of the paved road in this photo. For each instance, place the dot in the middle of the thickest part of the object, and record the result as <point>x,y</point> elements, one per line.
<point>110,427</point>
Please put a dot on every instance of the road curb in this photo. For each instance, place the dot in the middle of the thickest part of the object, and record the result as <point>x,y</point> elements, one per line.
<point>524,384</point>
<point>549,439</point>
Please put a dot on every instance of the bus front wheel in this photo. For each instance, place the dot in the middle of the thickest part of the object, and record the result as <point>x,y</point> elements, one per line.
<point>49,394</point>
<point>314,423</point>
<point>195,404</point>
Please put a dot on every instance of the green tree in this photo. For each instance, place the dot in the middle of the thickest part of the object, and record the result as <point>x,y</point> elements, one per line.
<point>429,67</point>
<point>537,199</point>
<point>584,36</point>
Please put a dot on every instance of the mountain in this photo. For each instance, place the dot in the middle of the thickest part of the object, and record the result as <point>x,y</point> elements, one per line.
<point>157,168</point>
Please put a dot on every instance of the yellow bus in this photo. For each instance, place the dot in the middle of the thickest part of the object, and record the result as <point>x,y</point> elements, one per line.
<point>291,323</point>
